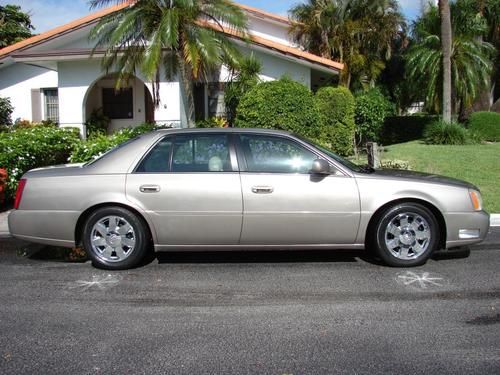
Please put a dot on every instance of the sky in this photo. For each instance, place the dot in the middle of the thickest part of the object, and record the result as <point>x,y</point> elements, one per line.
<point>47,14</point>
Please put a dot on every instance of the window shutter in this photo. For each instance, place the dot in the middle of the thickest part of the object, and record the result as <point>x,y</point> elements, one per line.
<point>36,106</point>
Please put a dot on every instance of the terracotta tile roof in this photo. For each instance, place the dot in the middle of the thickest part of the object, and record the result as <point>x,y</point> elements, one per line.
<point>61,30</point>
<point>84,21</point>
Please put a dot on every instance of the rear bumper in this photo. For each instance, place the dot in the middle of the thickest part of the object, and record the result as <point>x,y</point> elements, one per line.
<point>55,228</point>
<point>466,228</point>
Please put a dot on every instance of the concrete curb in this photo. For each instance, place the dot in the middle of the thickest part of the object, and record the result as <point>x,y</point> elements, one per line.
<point>495,220</point>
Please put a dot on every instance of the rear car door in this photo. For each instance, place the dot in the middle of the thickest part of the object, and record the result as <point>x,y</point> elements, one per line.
<point>189,185</point>
<point>285,204</point>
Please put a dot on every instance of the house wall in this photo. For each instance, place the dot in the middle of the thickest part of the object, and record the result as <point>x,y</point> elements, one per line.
<point>76,85</point>
<point>274,31</point>
<point>274,68</point>
<point>16,83</point>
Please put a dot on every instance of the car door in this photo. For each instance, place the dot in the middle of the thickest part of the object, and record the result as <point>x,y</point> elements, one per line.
<point>285,204</point>
<point>190,187</point>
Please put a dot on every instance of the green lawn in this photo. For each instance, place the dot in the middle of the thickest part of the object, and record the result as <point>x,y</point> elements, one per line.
<point>478,164</point>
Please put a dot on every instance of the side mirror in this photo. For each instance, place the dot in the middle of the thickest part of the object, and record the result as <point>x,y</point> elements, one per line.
<point>320,166</point>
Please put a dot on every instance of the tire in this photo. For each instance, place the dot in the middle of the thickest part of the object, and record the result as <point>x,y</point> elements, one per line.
<point>115,238</point>
<point>406,235</point>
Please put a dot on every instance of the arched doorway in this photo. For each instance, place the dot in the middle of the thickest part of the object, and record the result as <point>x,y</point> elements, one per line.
<point>129,106</point>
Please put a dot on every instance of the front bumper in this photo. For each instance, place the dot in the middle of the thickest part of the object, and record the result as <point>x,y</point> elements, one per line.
<point>466,228</point>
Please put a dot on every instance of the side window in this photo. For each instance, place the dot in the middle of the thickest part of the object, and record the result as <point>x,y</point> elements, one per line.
<point>157,160</point>
<point>201,153</point>
<point>270,154</point>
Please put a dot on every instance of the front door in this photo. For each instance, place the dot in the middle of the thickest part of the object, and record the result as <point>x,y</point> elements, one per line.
<point>285,204</point>
<point>190,189</point>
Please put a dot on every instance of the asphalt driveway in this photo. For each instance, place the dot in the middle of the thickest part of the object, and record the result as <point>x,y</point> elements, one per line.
<point>251,313</point>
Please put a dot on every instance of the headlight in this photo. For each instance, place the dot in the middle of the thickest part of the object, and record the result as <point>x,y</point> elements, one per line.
<point>476,200</point>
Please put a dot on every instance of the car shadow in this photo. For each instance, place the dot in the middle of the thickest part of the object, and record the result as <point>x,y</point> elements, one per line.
<point>275,256</point>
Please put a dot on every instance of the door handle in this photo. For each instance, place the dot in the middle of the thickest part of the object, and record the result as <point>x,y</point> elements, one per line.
<point>262,189</point>
<point>149,189</point>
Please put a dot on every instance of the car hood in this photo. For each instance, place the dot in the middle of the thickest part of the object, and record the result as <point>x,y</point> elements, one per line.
<point>421,177</point>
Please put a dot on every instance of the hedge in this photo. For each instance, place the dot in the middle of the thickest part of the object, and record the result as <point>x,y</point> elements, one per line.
<point>283,104</point>
<point>372,108</point>
<point>25,149</point>
<point>486,125</point>
<point>336,107</point>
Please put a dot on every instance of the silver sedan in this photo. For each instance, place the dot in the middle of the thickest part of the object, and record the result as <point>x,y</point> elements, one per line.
<point>232,189</point>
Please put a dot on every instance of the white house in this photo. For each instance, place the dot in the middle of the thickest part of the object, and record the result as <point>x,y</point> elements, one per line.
<point>52,75</point>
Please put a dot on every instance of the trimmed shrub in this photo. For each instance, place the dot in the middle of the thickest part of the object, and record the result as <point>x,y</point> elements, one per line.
<point>99,143</point>
<point>6,110</point>
<point>443,133</point>
<point>372,107</point>
<point>486,125</point>
<point>25,149</point>
<point>336,108</point>
<point>399,129</point>
<point>282,104</point>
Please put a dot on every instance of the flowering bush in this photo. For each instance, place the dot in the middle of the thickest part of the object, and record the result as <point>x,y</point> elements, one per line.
<point>98,144</point>
<point>28,148</point>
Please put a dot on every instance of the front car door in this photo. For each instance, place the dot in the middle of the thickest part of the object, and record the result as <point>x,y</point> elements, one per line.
<point>190,187</point>
<point>284,204</point>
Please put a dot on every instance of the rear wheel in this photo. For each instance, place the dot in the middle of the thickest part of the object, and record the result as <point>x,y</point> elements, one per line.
<point>115,238</point>
<point>406,235</point>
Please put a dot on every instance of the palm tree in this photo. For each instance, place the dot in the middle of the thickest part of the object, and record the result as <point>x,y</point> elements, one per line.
<point>470,62</point>
<point>446,42</point>
<point>187,37</point>
<point>358,33</point>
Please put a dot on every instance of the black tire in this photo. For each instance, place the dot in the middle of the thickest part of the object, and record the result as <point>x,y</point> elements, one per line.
<point>412,222</point>
<point>115,249</point>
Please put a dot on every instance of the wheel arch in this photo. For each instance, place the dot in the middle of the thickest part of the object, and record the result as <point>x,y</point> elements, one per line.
<point>85,214</point>
<point>435,211</point>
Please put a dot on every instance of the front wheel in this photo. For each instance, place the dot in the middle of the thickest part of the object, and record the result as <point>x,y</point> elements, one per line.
<point>406,235</point>
<point>115,238</point>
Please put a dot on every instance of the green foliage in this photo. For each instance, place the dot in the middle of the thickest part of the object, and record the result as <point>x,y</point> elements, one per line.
<point>15,25</point>
<point>212,122</point>
<point>336,107</point>
<point>97,123</point>
<point>398,129</point>
<point>372,107</point>
<point>245,77</point>
<point>486,124</point>
<point>6,110</point>
<point>360,33</point>
<point>443,133</point>
<point>471,60</point>
<point>99,143</point>
<point>25,149</point>
<point>282,104</point>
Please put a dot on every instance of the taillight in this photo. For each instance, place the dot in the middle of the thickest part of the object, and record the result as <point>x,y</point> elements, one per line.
<point>19,193</point>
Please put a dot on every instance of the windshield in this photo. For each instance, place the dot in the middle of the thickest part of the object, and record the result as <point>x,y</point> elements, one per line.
<point>334,156</point>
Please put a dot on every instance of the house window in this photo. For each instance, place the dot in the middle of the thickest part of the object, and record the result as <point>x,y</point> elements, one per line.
<point>51,105</point>
<point>216,105</point>
<point>118,104</point>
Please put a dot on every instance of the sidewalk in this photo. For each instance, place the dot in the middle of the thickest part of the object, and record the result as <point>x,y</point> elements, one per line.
<point>4,229</point>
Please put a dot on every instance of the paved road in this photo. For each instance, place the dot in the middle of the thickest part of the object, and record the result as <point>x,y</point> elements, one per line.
<point>251,313</point>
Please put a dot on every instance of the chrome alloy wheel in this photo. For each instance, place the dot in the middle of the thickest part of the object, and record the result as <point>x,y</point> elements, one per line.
<point>407,236</point>
<point>113,238</point>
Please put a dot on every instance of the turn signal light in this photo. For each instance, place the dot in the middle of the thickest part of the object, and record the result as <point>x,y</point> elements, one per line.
<point>19,193</point>
<point>475,198</point>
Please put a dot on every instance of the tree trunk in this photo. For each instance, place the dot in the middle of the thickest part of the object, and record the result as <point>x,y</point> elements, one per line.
<point>446,42</point>
<point>187,85</point>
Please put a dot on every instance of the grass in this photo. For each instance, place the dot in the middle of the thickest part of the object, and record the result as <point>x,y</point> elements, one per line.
<point>478,164</point>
